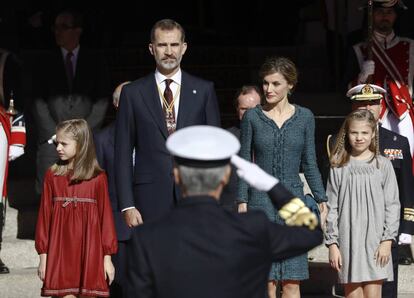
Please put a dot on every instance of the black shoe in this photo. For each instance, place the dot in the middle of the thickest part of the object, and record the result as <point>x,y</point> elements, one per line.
<point>405,260</point>
<point>3,268</point>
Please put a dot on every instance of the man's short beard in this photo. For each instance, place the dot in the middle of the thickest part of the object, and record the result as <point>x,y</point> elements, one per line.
<point>384,27</point>
<point>171,65</point>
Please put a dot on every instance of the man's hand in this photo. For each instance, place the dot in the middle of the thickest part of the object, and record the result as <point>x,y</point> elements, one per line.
<point>15,151</point>
<point>242,208</point>
<point>335,259</point>
<point>367,69</point>
<point>253,174</point>
<point>132,217</point>
<point>382,255</point>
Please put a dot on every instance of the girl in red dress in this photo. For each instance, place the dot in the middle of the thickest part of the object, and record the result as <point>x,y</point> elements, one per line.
<point>75,233</point>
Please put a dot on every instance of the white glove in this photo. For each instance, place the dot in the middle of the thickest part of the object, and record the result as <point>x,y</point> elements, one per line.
<point>15,152</point>
<point>367,69</point>
<point>52,139</point>
<point>404,239</point>
<point>253,174</point>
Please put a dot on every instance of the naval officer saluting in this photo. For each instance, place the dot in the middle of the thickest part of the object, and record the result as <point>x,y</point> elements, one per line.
<point>199,249</point>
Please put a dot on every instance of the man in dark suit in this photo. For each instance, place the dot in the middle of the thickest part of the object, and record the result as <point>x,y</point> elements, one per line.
<point>105,152</point>
<point>247,97</point>
<point>199,249</point>
<point>150,109</point>
<point>396,148</point>
<point>70,82</point>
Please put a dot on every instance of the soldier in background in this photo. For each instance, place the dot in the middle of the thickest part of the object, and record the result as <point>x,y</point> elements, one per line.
<point>12,130</point>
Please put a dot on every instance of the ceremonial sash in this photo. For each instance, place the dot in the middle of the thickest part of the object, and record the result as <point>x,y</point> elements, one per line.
<point>400,102</point>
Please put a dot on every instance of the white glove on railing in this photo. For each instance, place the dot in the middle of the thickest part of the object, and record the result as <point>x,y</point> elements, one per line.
<point>253,174</point>
<point>404,239</point>
<point>15,152</point>
<point>367,69</point>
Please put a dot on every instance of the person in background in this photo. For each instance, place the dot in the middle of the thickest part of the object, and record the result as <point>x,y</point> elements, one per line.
<point>71,82</point>
<point>247,97</point>
<point>105,148</point>
<point>280,137</point>
<point>362,192</point>
<point>391,67</point>
<point>12,129</point>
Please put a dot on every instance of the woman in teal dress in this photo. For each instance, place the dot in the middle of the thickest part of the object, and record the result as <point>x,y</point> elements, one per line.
<point>279,137</point>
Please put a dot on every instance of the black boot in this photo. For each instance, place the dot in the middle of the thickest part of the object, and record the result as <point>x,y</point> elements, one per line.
<point>3,268</point>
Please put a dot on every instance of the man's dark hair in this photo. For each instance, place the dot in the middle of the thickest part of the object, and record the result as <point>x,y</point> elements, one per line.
<point>246,89</point>
<point>77,18</point>
<point>168,25</point>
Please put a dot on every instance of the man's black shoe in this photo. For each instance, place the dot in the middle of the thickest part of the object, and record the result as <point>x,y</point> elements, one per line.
<point>405,260</point>
<point>3,268</point>
<point>405,255</point>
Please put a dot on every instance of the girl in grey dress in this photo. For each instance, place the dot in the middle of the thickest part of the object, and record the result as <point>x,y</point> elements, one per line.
<point>280,138</point>
<point>363,208</point>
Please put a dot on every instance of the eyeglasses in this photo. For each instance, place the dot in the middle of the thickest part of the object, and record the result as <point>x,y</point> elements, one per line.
<point>62,27</point>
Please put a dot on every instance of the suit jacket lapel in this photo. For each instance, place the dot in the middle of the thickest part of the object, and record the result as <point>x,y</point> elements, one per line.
<point>186,96</point>
<point>152,100</point>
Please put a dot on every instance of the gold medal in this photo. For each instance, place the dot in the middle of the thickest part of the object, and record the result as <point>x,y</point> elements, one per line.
<point>169,108</point>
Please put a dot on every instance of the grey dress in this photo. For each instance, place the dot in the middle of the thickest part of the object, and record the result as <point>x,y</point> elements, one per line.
<point>364,210</point>
<point>281,152</point>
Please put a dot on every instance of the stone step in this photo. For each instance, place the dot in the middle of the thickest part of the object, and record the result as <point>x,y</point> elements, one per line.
<point>20,283</point>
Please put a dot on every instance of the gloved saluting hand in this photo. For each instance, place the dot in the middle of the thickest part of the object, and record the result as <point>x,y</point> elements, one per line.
<point>253,174</point>
<point>367,69</point>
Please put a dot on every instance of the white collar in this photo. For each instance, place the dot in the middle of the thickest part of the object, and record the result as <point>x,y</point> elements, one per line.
<point>159,77</point>
<point>74,52</point>
<point>390,40</point>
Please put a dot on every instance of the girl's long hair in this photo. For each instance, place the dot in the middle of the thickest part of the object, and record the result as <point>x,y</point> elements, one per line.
<point>342,149</point>
<point>85,165</point>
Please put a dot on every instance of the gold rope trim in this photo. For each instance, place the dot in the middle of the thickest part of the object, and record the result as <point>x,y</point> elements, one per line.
<point>295,213</point>
<point>409,210</point>
<point>409,217</point>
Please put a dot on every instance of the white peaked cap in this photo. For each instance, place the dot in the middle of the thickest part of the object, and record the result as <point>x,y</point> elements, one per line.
<point>202,146</point>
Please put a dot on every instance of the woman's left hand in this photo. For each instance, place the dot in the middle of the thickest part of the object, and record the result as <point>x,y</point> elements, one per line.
<point>382,255</point>
<point>109,269</point>
<point>323,209</point>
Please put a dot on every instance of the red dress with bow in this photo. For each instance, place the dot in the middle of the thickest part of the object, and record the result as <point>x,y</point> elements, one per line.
<point>75,228</point>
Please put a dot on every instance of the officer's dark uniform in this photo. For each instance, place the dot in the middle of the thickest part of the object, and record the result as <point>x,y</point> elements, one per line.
<point>199,249</point>
<point>202,250</point>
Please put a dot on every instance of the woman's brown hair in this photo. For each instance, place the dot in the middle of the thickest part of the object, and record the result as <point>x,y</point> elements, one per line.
<point>282,65</point>
<point>85,165</point>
